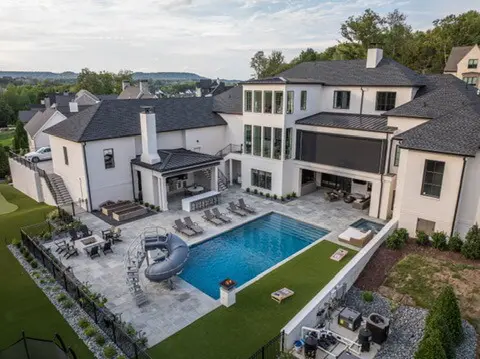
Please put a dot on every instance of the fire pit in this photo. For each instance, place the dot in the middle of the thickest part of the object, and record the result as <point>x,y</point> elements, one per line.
<point>228,284</point>
<point>87,241</point>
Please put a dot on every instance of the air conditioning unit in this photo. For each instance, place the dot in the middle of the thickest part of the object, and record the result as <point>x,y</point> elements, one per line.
<point>379,326</point>
<point>350,319</point>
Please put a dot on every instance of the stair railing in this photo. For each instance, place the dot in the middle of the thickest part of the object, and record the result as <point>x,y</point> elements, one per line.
<point>229,149</point>
<point>222,178</point>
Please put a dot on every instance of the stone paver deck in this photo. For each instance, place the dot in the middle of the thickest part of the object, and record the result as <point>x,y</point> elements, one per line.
<point>168,311</point>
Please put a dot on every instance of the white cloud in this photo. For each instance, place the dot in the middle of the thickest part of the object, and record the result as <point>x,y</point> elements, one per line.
<point>211,37</point>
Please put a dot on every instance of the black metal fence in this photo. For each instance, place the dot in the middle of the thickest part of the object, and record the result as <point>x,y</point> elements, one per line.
<point>105,319</point>
<point>271,350</point>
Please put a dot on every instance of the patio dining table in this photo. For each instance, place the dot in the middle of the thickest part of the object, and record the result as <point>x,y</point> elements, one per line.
<point>195,189</point>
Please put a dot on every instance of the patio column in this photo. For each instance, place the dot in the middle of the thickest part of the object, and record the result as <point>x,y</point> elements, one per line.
<point>214,183</point>
<point>162,182</point>
<point>231,171</point>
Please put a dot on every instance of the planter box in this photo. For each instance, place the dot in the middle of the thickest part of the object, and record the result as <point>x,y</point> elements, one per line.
<point>108,210</point>
<point>129,213</point>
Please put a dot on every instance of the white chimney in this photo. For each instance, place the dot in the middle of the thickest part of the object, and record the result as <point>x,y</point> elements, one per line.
<point>148,128</point>
<point>374,56</point>
<point>73,106</point>
<point>143,86</point>
<point>125,84</point>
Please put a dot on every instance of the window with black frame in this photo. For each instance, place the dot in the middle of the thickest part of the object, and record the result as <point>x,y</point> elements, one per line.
<point>108,158</point>
<point>247,139</point>
<point>432,178</point>
<point>472,63</point>
<point>288,143</point>
<point>303,100</point>
<point>278,102</point>
<point>396,160</point>
<point>267,142</point>
<point>248,101</point>
<point>257,140</point>
<point>268,102</point>
<point>290,101</point>
<point>65,155</point>
<point>277,143</point>
<point>257,101</point>
<point>262,179</point>
<point>341,99</point>
<point>385,101</point>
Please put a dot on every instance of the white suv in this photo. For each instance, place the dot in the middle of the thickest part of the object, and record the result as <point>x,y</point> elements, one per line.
<point>42,154</point>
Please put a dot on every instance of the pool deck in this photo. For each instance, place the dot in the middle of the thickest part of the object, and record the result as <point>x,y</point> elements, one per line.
<point>169,311</point>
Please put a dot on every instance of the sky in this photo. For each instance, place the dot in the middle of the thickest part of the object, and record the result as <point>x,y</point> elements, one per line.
<point>214,38</point>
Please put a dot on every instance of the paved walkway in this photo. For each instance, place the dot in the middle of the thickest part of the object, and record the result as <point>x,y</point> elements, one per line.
<point>169,311</point>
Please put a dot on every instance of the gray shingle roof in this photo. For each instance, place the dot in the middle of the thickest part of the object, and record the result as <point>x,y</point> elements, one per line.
<point>348,121</point>
<point>38,120</point>
<point>133,92</point>
<point>121,118</point>
<point>457,132</point>
<point>455,56</point>
<point>354,73</point>
<point>25,116</point>
<point>177,159</point>
<point>230,101</point>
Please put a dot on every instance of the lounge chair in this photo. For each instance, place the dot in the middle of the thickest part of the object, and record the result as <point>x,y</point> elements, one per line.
<point>182,228</point>
<point>71,251</point>
<point>221,216</point>
<point>107,247</point>
<point>85,231</point>
<point>93,252</point>
<point>73,235</point>
<point>235,210</point>
<point>193,225</point>
<point>61,246</point>
<point>211,218</point>
<point>282,294</point>
<point>242,205</point>
<point>355,237</point>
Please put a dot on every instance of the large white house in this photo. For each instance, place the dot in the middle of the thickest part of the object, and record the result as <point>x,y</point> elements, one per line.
<point>409,142</point>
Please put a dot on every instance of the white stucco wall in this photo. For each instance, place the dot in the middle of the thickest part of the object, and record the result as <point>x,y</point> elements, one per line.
<point>234,129</point>
<point>26,180</point>
<point>404,123</point>
<point>208,140</point>
<point>410,204</point>
<point>462,66</point>
<point>263,164</point>
<point>41,139</point>
<point>170,140</point>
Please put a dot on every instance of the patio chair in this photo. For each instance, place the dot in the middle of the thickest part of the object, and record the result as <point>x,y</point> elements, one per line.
<point>193,225</point>
<point>85,231</point>
<point>235,210</point>
<point>71,251</point>
<point>211,218</point>
<point>107,247</point>
<point>242,205</point>
<point>73,235</point>
<point>117,232</point>
<point>182,228</point>
<point>221,216</point>
<point>93,252</point>
<point>61,246</point>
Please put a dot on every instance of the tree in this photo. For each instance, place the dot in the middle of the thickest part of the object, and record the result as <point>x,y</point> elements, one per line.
<point>259,64</point>
<point>267,66</point>
<point>4,166</point>
<point>471,247</point>
<point>447,305</point>
<point>20,138</point>
<point>431,347</point>
<point>305,56</point>
<point>7,115</point>
<point>366,29</point>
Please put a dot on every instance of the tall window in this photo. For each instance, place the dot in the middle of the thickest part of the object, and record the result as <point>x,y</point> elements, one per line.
<point>471,80</point>
<point>257,101</point>
<point>267,142</point>
<point>277,143</point>
<point>108,158</point>
<point>262,179</point>
<point>341,99</point>
<point>248,101</point>
<point>65,155</point>
<point>432,178</point>
<point>257,140</point>
<point>385,101</point>
<point>396,160</point>
<point>268,102</point>
<point>279,102</point>
<point>288,143</point>
<point>247,133</point>
<point>472,63</point>
<point>290,99</point>
<point>303,100</point>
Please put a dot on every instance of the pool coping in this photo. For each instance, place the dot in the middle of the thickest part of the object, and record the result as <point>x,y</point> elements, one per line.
<point>275,266</point>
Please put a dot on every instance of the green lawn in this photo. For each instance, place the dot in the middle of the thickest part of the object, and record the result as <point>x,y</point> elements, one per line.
<point>238,331</point>
<point>6,138</point>
<point>23,306</point>
<point>5,206</point>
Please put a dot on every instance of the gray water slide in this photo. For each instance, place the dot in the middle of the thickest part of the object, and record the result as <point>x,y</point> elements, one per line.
<point>175,261</point>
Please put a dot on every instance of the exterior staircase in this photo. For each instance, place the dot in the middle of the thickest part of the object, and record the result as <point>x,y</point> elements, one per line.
<point>222,181</point>
<point>59,191</point>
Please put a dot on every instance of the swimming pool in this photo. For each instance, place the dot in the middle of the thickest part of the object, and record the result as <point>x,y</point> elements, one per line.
<point>366,225</point>
<point>246,251</point>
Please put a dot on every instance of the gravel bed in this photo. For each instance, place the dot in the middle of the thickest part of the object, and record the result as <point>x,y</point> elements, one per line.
<point>52,290</point>
<point>406,327</point>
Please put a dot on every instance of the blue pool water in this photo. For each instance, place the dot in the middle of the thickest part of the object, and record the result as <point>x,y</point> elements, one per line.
<point>365,225</point>
<point>246,251</point>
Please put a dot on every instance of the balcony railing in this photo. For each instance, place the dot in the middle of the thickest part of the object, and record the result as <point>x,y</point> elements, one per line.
<point>231,148</point>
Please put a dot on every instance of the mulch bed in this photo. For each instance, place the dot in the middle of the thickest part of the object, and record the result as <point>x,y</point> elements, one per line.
<point>375,272</point>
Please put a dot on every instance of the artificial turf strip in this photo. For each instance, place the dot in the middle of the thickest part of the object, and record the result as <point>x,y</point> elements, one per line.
<point>238,331</point>
<point>5,206</point>
<point>23,306</point>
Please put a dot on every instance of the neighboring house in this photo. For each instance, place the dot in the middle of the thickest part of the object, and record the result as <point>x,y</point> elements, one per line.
<point>41,121</point>
<point>374,128</point>
<point>86,98</point>
<point>131,92</point>
<point>463,63</point>
<point>25,116</point>
<point>207,87</point>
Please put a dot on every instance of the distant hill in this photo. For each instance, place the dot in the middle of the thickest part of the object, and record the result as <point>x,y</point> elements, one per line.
<point>166,76</point>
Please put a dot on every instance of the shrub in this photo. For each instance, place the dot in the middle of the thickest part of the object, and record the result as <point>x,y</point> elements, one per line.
<point>431,347</point>
<point>439,240</point>
<point>17,242</point>
<point>247,190</point>
<point>275,197</point>
<point>403,234</point>
<point>422,238</point>
<point>147,204</point>
<point>34,264</point>
<point>282,199</point>
<point>62,297</point>
<point>90,331</point>
<point>83,323</point>
<point>267,195</point>
<point>394,242</point>
<point>53,215</point>
<point>255,191</point>
<point>435,323</point>
<point>140,201</point>
<point>100,340</point>
<point>43,281</point>
<point>288,196</point>
<point>455,243</point>
<point>471,246</point>
<point>157,208</point>
<point>447,305</point>
<point>152,206</point>
<point>109,351</point>
<point>261,193</point>
<point>67,304</point>
<point>294,195</point>
<point>367,296</point>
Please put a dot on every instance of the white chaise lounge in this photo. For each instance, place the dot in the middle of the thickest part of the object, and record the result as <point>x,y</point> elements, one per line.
<point>355,237</point>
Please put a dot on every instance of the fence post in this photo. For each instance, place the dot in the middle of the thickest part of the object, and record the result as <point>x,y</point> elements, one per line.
<point>263,352</point>
<point>73,209</point>
<point>113,332</point>
<point>94,311</point>
<point>65,281</point>
<point>43,258</point>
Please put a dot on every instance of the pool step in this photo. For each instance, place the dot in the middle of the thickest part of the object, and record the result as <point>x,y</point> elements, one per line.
<point>294,228</point>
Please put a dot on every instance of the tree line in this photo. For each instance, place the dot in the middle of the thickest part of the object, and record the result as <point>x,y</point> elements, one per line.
<point>422,51</point>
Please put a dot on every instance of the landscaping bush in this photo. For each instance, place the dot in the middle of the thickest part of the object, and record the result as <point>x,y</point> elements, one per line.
<point>422,239</point>
<point>255,191</point>
<point>455,243</point>
<point>294,195</point>
<point>140,201</point>
<point>90,331</point>
<point>367,296</point>
<point>83,323</point>
<point>275,197</point>
<point>288,196</point>
<point>402,233</point>
<point>152,206</point>
<point>394,241</point>
<point>34,264</point>
<point>282,199</point>
<point>100,340</point>
<point>17,242</point>
<point>435,325</point>
<point>147,204</point>
<point>157,208</point>
<point>267,195</point>
<point>431,347</point>
<point>62,297</point>
<point>439,240</point>
<point>67,304</point>
<point>247,190</point>
<point>471,247</point>
<point>53,215</point>
<point>109,351</point>
<point>447,305</point>
<point>261,193</point>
